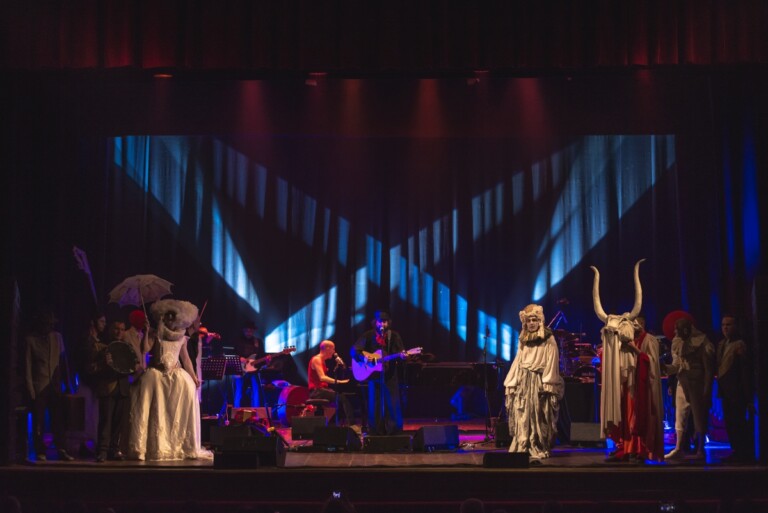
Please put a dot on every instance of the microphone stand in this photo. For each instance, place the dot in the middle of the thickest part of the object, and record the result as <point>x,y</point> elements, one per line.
<point>488,437</point>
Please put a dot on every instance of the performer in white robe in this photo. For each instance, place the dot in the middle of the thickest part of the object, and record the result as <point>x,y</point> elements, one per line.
<point>165,413</point>
<point>534,387</point>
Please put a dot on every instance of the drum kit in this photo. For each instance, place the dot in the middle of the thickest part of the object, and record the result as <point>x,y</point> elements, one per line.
<point>579,359</point>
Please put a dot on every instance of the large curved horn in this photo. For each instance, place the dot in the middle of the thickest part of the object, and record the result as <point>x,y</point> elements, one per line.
<point>638,292</point>
<point>596,296</point>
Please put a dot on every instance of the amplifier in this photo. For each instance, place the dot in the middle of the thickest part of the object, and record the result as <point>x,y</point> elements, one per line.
<point>303,428</point>
<point>586,433</point>
<point>392,443</point>
<point>336,439</point>
<point>436,438</point>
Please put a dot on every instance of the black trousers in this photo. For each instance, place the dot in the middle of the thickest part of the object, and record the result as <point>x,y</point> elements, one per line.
<point>51,399</point>
<point>113,414</point>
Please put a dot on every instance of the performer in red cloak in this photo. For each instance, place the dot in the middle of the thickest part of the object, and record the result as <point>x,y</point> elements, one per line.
<point>640,434</point>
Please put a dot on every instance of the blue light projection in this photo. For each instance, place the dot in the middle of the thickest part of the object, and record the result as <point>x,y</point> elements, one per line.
<point>226,261</point>
<point>487,211</point>
<point>576,225</point>
<point>632,164</point>
<point>373,257</point>
<point>361,290</point>
<point>306,328</point>
<point>303,215</point>
<point>343,241</point>
<point>487,332</point>
<point>508,341</point>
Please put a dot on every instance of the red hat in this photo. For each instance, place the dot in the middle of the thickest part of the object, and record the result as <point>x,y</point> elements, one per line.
<point>137,319</point>
<point>668,326</point>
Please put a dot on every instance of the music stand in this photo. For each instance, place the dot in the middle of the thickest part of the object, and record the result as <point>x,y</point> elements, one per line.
<point>234,365</point>
<point>212,368</point>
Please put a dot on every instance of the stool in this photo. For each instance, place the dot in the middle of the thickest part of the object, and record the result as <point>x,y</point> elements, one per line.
<point>318,405</point>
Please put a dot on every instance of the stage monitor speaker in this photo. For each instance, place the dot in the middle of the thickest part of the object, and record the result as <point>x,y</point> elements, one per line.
<point>303,428</point>
<point>436,438</point>
<point>250,452</point>
<point>336,439</point>
<point>506,460</point>
<point>501,434</point>
<point>218,434</point>
<point>586,433</point>
<point>206,424</point>
<point>391,443</point>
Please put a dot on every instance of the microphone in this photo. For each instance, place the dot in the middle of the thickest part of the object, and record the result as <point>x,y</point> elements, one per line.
<point>338,359</point>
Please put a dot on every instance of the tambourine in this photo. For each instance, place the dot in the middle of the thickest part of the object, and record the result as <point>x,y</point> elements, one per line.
<point>124,359</point>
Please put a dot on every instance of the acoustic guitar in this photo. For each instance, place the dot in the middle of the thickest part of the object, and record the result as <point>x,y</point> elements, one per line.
<point>374,362</point>
<point>252,364</point>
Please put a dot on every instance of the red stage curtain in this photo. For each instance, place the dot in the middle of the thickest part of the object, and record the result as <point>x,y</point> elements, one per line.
<point>349,36</point>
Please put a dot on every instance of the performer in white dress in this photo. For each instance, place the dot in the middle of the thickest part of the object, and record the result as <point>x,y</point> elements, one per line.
<point>165,413</point>
<point>534,387</point>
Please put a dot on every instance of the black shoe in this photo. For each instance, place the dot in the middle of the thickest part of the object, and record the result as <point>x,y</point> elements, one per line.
<point>64,456</point>
<point>101,458</point>
<point>116,456</point>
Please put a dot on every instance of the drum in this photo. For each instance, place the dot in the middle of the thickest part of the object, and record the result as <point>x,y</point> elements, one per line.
<point>587,374</point>
<point>124,359</point>
<point>291,403</point>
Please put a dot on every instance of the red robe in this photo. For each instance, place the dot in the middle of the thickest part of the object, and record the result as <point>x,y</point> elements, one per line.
<point>641,431</point>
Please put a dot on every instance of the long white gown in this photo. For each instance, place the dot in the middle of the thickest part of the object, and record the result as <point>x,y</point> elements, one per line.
<point>165,413</point>
<point>533,391</point>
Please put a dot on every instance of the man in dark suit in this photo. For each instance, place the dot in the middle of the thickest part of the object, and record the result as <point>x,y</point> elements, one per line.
<point>112,389</point>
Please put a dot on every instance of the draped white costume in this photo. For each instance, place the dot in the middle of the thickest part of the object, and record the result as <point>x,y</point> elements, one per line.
<point>165,412</point>
<point>533,390</point>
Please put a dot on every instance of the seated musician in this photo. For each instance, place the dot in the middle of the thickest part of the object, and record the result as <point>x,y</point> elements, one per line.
<point>320,382</point>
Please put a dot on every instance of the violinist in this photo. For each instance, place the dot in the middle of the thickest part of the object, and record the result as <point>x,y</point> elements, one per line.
<point>199,336</point>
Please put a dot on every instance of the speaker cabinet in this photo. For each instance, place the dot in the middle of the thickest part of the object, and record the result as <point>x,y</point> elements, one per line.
<point>250,452</point>
<point>583,433</point>
<point>506,460</point>
<point>303,428</point>
<point>436,438</point>
<point>501,435</point>
<point>336,439</point>
<point>219,434</point>
<point>392,443</point>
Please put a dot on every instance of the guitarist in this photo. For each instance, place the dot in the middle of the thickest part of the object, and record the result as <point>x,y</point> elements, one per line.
<point>385,415</point>
<point>249,347</point>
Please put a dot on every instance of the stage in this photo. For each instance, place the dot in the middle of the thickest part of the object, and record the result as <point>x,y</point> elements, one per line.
<point>297,477</point>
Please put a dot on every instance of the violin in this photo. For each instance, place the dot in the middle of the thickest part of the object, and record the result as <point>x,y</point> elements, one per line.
<point>208,334</point>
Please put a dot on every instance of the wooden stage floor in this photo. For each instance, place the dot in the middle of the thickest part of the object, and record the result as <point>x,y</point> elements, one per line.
<point>302,478</point>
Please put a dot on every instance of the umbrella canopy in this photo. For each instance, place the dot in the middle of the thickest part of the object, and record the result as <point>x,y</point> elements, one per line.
<point>140,289</point>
